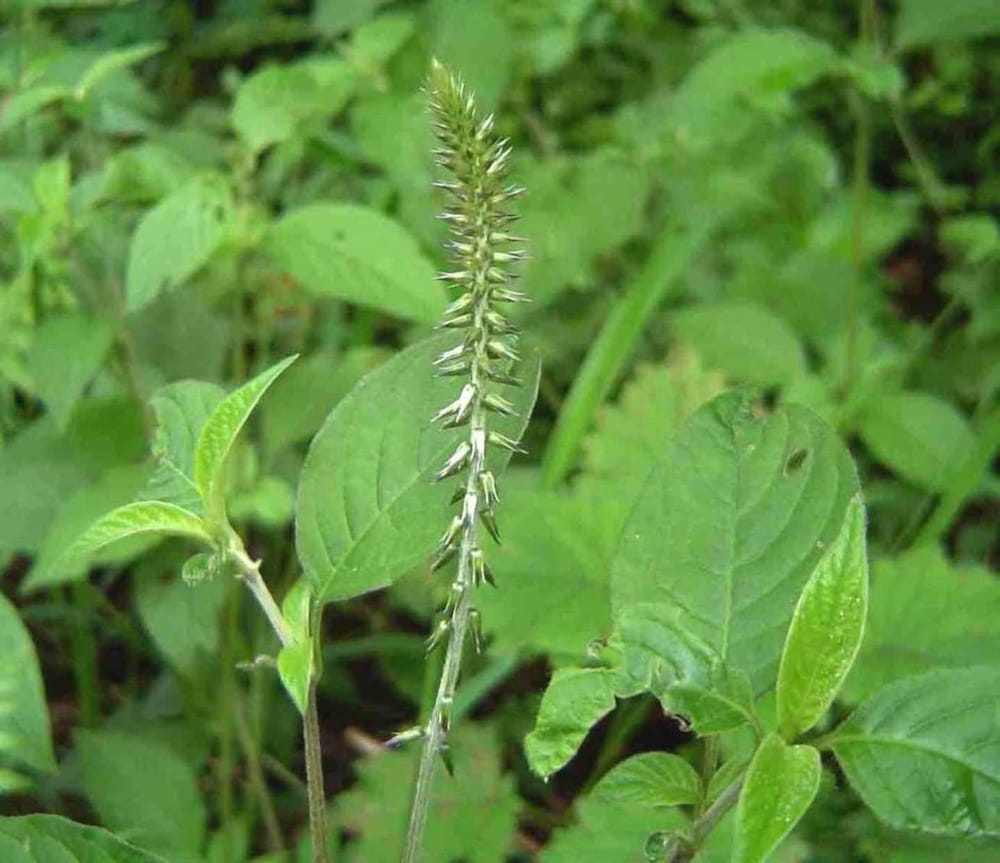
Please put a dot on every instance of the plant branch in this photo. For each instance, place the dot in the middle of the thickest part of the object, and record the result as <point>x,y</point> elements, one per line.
<point>251,577</point>
<point>684,852</point>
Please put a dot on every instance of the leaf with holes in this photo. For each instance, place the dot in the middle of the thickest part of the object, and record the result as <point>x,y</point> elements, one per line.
<point>732,522</point>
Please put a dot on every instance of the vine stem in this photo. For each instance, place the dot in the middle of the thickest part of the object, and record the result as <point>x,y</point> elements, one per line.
<point>436,730</point>
<point>251,577</point>
<point>684,852</point>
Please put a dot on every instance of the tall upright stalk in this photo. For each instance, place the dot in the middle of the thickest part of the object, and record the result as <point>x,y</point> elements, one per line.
<point>478,219</point>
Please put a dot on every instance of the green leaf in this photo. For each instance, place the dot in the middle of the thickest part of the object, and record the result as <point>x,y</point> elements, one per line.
<point>826,629</point>
<point>295,669</point>
<point>780,785</point>
<point>356,254</point>
<point>927,22</point>
<point>919,436</point>
<point>687,675</point>
<point>142,517</point>
<point>333,17</point>
<point>367,510</point>
<point>182,409</point>
<point>925,613</point>
<point>113,61</point>
<point>732,522</point>
<point>176,238</point>
<point>67,353</point>
<point>924,753</point>
<point>575,700</point>
<point>144,791</point>
<point>25,732</point>
<point>182,618</point>
<point>275,103</point>
<point>651,779</point>
<point>472,816</point>
<point>28,102</point>
<point>220,430</point>
<point>745,340</point>
<point>51,839</point>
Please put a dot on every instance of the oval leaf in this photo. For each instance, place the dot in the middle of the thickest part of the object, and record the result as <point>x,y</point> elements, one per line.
<point>25,733</point>
<point>176,238</point>
<point>359,255</point>
<point>651,779</point>
<point>780,786</point>
<point>732,522</point>
<point>51,839</point>
<point>924,753</point>
<point>826,629</point>
<point>367,510</point>
<point>222,428</point>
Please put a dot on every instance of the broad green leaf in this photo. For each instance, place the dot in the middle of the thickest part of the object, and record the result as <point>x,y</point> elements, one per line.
<point>745,340</point>
<point>25,732</point>
<point>112,61</point>
<point>651,779</point>
<point>51,839</point>
<point>575,700</point>
<point>67,353</point>
<point>182,618</point>
<point>732,522</point>
<point>919,436</point>
<point>115,489</point>
<point>826,629</point>
<point>359,255</point>
<point>756,67</point>
<point>924,753</point>
<point>181,409</point>
<point>472,816</point>
<point>295,670</point>
<point>927,22</point>
<point>687,675</point>
<point>142,517</point>
<point>924,613</point>
<point>780,785</point>
<point>176,238</point>
<point>144,791</point>
<point>367,510</point>
<point>275,103</point>
<point>221,428</point>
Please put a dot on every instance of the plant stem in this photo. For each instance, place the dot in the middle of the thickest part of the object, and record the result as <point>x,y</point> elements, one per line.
<point>250,575</point>
<point>84,646</point>
<point>436,730</point>
<point>314,775</point>
<point>256,776</point>
<point>685,852</point>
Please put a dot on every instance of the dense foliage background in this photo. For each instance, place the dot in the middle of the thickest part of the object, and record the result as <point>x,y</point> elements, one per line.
<point>799,196</point>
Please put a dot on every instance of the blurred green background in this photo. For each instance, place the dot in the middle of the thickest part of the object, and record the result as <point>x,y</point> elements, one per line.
<point>801,196</point>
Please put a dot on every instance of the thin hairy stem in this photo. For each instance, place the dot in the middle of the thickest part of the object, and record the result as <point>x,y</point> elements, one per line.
<point>314,776</point>
<point>250,574</point>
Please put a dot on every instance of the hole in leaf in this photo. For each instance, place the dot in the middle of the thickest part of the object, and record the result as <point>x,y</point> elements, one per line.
<point>795,461</point>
